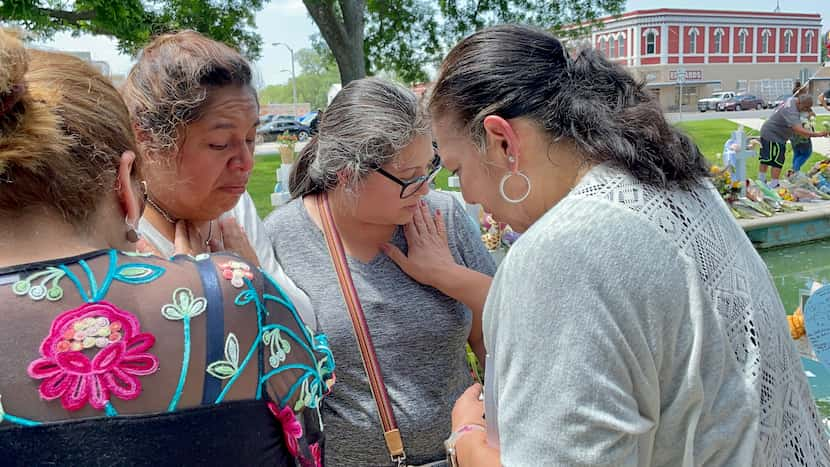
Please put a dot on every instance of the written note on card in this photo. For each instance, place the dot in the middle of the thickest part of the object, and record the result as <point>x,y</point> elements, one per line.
<point>817,323</point>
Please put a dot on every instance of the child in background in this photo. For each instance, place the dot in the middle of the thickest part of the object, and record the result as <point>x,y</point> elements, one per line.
<point>802,145</point>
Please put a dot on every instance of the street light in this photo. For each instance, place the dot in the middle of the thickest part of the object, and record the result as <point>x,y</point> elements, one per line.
<point>293,77</point>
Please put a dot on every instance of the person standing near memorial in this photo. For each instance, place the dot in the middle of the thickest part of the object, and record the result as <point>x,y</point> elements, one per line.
<point>782,125</point>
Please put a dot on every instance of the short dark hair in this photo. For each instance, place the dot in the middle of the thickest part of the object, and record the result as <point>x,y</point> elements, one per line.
<point>804,99</point>
<point>518,71</point>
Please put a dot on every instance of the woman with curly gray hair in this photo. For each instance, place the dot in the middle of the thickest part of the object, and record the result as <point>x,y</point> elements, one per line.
<point>195,114</point>
<point>632,323</point>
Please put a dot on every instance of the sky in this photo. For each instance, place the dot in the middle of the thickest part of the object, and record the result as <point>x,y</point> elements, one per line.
<point>288,22</point>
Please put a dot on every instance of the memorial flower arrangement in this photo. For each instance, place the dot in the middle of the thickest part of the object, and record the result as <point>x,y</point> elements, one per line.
<point>722,180</point>
<point>287,140</point>
<point>496,235</point>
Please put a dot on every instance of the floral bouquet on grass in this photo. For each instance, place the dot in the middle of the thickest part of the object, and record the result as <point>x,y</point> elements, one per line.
<point>729,189</point>
<point>288,140</point>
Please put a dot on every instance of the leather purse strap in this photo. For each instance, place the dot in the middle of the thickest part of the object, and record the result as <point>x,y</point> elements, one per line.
<point>391,433</point>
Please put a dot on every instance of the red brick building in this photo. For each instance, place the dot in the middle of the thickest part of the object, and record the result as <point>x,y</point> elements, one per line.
<point>716,49</point>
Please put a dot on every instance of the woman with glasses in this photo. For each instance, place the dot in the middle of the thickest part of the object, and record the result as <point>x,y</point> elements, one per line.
<point>373,159</point>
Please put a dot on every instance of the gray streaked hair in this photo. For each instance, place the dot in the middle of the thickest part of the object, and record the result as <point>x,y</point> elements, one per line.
<point>366,126</point>
<point>518,71</point>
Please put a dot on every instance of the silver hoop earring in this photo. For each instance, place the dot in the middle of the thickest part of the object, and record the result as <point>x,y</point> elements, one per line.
<point>504,195</point>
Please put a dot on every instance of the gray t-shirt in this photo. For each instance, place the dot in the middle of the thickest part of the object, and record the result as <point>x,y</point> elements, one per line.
<point>419,336</point>
<point>779,127</point>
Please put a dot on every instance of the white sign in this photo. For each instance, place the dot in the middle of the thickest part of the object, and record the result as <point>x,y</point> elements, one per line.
<point>689,75</point>
<point>681,75</point>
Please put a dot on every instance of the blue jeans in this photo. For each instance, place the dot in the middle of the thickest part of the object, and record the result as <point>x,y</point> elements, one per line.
<point>801,153</point>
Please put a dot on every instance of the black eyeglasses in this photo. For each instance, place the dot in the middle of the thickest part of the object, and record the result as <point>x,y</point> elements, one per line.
<point>411,186</point>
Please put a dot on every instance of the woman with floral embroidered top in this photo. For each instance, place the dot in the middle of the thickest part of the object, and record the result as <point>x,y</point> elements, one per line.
<point>633,323</point>
<point>120,358</point>
<point>195,113</point>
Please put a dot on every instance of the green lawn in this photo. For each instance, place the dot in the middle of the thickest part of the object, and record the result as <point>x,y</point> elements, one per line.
<point>709,135</point>
<point>262,182</point>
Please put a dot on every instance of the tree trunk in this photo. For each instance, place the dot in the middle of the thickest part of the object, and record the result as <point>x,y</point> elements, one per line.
<point>343,34</point>
<point>351,64</point>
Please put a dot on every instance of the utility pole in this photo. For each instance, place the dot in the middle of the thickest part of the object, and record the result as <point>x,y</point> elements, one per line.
<point>293,76</point>
<point>681,80</point>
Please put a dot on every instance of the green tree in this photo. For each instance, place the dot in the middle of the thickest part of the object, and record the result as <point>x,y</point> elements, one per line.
<point>133,22</point>
<point>316,60</point>
<point>317,73</point>
<point>402,36</point>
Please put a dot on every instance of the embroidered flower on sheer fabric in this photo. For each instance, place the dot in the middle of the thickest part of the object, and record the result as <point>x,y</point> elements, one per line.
<point>291,428</point>
<point>316,454</point>
<point>70,374</point>
<point>236,272</point>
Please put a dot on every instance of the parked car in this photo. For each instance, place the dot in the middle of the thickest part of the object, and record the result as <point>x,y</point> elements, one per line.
<point>307,118</point>
<point>742,102</point>
<point>269,132</point>
<point>312,125</point>
<point>276,118</point>
<point>711,102</point>
<point>774,103</point>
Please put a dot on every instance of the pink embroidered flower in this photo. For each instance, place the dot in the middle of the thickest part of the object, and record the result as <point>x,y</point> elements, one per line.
<point>236,271</point>
<point>68,373</point>
<point>291,428</point>
<point>316,454</point>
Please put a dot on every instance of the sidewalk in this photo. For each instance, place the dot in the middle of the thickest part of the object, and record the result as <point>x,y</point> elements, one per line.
<point>271,148</point>
<point>820,145</point>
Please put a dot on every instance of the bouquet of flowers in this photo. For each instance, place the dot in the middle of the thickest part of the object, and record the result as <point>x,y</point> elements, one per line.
<point>496,235</point>
<point>288,140</point>
<point>729,189</point>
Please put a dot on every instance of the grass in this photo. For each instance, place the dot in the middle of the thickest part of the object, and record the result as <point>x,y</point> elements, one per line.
<point>263,179</point>
<point>709,135</point>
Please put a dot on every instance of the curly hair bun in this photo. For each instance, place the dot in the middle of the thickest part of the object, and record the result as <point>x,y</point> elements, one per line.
<point>28,127</point>
<point>63,128</point>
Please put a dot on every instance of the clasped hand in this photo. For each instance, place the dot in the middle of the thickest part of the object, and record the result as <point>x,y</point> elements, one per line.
<point>188,241</point>
<point>428,258</point>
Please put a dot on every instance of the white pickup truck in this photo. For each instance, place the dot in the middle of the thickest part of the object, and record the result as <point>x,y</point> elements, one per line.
<point>711,103</point>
